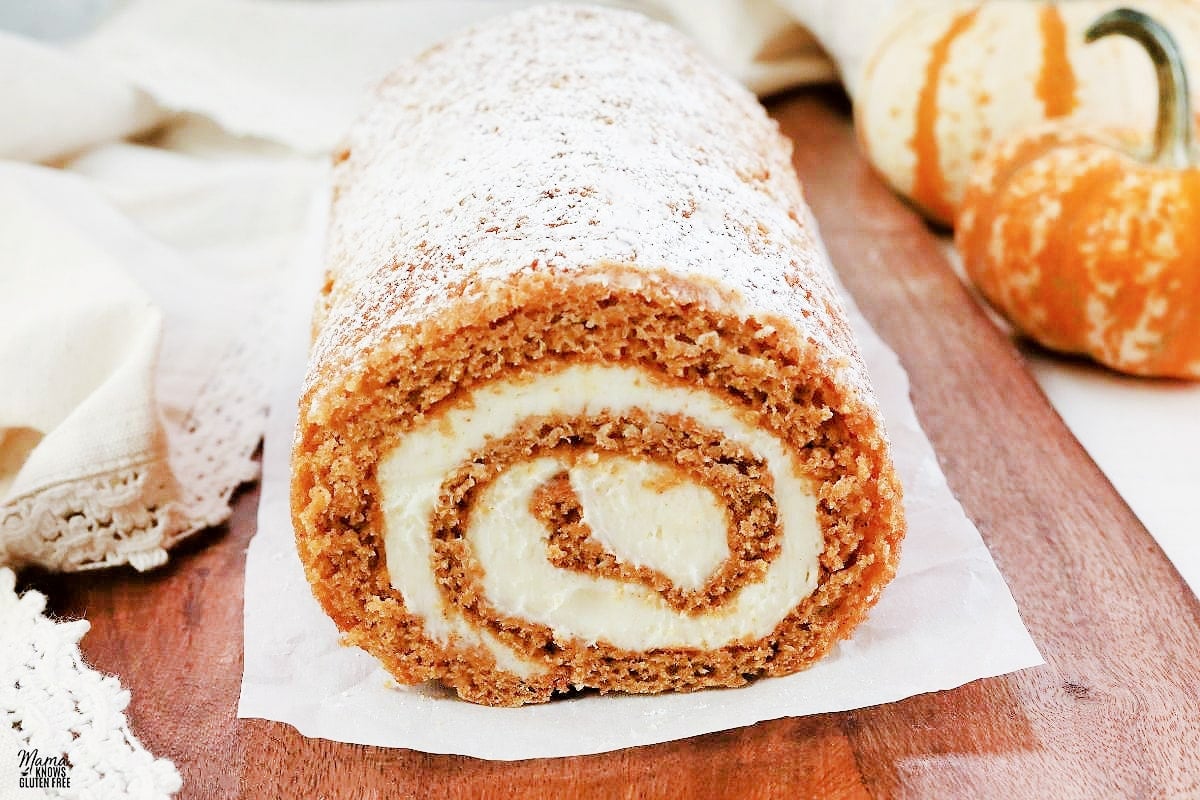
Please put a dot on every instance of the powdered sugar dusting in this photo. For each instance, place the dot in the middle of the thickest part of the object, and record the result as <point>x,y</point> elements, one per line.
<point>556,140</point>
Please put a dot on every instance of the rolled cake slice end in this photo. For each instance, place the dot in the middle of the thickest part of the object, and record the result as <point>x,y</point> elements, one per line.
<point>594,486</point>
<point>571,423</point>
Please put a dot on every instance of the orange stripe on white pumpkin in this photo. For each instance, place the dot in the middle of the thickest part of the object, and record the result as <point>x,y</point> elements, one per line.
<point>1056,80</point>
<point>929,184</point>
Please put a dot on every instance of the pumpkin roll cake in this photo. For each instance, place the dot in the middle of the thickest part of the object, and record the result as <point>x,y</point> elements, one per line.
<point>582,408</point>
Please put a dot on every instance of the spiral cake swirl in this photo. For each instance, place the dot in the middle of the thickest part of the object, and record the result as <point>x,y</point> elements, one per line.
<point>582,408</point>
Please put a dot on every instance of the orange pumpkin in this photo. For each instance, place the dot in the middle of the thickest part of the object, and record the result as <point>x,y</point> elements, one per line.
<point>1088,247</point>
<point>947,78</point>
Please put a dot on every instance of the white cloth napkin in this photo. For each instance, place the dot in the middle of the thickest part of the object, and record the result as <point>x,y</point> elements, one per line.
<point>131,396</point>
<point>294,71</point>
<point>56,105</point>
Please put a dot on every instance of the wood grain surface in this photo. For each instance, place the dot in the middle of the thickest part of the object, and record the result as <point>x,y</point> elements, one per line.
<point>1114,713</point>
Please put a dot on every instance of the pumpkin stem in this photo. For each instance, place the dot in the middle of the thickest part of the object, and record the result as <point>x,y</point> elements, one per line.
<point>1174,131</point>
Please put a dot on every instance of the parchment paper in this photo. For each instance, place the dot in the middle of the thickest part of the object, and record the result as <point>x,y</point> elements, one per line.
<point>948,618</point>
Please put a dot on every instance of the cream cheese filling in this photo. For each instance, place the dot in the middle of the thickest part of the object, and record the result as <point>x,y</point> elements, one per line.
<point>640,512</point>
<point>511,544</point>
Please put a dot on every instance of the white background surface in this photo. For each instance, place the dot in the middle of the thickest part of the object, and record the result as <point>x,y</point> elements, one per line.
<point>1145,436</point>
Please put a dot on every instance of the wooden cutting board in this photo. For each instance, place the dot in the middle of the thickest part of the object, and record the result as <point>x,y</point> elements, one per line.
<point>1114,713</point>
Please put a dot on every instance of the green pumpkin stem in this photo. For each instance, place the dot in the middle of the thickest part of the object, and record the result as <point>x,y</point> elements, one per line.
<point>1174,131</point>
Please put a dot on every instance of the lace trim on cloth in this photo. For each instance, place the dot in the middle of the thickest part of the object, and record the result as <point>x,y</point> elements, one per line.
<point>52,702</point>
<point>133,514</point>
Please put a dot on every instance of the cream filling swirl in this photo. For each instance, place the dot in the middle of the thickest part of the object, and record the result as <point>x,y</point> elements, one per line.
<point>511,545</point>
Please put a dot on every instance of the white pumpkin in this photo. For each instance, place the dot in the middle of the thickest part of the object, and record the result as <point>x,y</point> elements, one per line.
<point>946,78</point>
